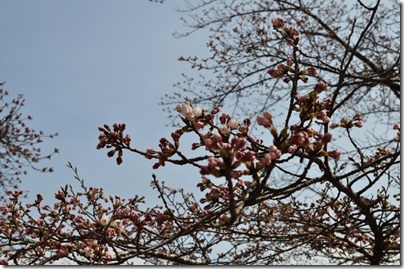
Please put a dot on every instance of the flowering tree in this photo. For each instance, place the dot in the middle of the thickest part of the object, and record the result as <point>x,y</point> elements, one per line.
<point>18,144</point>
<point>290,197</point>
<point>354,45</point>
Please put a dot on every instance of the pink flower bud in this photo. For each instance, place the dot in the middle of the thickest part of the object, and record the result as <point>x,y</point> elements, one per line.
<point>320,87</point>
<point>294,32</point>
<point>357,116</point>
<point>236,174</point>
<point>334,125</point>
<point>111,153</point>
<point>268,115</point>
<point>205,170</point>
<point>273,73</point>
<point>335,154</point>
<point>278,23</point>
<point>286,80</point>
<point>238,143</point>
<point>248,157</point>
<point>266,160</point>
<point>312,71</point>
<point>326,138</point>
<point>272,148</point>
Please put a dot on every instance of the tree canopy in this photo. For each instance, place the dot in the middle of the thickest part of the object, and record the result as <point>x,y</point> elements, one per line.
<point>295,174</point>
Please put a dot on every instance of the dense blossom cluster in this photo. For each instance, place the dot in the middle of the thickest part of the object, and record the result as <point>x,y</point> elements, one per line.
<point>18,143</point>
<point>113,139</point>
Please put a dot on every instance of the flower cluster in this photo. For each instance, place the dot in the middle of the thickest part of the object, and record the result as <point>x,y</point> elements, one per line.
<point>114,139</point>
<point>188,111</point>
<point>194,116</point>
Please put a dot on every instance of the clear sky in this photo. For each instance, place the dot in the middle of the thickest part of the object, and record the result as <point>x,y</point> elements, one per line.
<point>81,64</point>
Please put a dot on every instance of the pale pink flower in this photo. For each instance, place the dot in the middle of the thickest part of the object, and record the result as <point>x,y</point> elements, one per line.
<point>197,111</point>
<point>117,224</point>
<point>126,210</point>
<point>104,220</point>
<point>223,129</point>
<point>233,124</point>
<point>187,111</point>
<point>292,148</point>
<point>88,252</point>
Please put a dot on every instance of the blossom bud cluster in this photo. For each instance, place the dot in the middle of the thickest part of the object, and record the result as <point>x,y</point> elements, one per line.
<point>114,139</point>
<point>265,120</point>
<point>167,149</point>
<point>228,124</point>
<point>273,154</point>
<point>310,107</point>
<point>83,214</point>
<point>300,139</point>
<point>188,112</point>
<point>195,117</point>
<point>288,72</point>
<point>230,155</point>
<point>356,121</point>
<point>291,35</point>
<point>219,193</point>
<point>397,137</point>
<point>374,159</point>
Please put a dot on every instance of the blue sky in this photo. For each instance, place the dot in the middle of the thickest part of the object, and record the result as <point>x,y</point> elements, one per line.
<point>81,64</point>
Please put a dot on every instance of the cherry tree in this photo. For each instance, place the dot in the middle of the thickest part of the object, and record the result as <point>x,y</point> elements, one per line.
<point>355,46</point>
<point>289,196</point>
<point>19,144</point>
